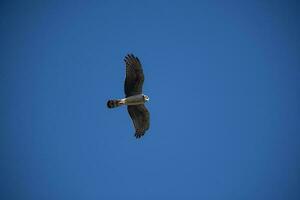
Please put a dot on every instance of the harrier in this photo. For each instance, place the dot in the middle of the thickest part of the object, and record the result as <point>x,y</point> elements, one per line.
<point>134,97</point>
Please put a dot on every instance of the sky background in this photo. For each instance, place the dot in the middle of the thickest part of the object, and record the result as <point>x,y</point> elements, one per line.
<point>223,79</point>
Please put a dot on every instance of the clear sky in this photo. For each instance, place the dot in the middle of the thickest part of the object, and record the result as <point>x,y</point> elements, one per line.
<point>223,79</point>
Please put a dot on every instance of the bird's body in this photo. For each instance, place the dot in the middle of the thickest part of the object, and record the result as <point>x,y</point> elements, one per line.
<point>131,100</point>
<point>134,98</point>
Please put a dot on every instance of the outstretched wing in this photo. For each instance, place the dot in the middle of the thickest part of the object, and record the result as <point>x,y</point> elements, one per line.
<point>134,76</point>
<point>140,117</point>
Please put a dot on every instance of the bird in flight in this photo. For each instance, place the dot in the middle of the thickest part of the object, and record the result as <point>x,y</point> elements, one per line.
<point>134,97</point>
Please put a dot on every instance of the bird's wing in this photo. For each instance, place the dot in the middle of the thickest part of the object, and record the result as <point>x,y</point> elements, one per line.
<point>134,76</point>
<point>140,117</point>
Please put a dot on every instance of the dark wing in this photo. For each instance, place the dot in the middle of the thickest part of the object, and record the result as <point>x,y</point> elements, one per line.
<point>140,117</point>
<point>134,76</point>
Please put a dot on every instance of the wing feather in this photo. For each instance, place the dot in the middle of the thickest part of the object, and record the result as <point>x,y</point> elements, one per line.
<point>134,76</point>
<point>141,119</point>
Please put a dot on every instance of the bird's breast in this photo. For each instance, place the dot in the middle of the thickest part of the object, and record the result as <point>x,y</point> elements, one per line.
<point>134,100</point>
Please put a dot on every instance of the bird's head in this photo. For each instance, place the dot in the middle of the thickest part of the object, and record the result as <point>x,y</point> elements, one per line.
<point>146,98</point>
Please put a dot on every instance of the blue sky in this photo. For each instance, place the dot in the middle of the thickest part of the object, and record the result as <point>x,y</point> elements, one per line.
<point>224,85</point>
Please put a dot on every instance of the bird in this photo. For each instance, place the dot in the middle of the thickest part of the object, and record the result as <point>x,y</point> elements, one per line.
<point>134,98</point>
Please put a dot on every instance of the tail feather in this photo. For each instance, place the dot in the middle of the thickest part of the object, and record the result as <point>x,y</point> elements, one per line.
<point>114,103</point>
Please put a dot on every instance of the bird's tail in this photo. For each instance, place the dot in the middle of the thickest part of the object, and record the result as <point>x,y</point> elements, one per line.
<point>113,103</point>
